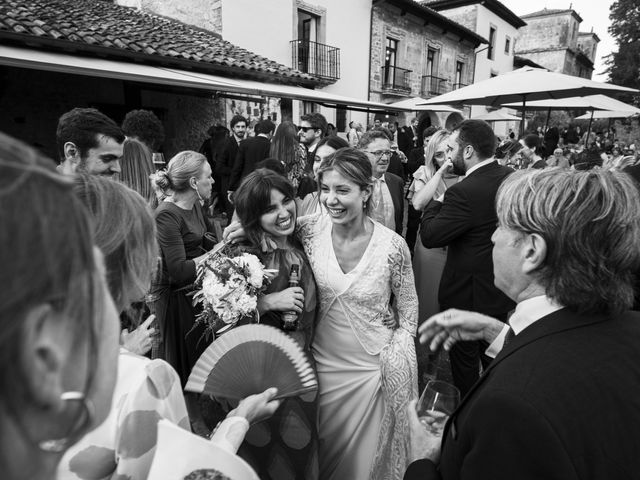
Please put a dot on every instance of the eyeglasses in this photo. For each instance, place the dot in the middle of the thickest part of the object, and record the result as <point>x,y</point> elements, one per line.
<point>380,153</point>
<point>305,129</point>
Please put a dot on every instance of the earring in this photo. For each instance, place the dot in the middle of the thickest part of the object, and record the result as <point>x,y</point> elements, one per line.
<point>58,445</point>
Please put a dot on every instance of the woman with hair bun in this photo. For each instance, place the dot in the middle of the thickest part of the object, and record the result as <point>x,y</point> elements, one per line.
<point>184,237</point>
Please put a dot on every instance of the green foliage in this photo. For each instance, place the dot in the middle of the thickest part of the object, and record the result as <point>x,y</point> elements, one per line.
<point>623,66</point>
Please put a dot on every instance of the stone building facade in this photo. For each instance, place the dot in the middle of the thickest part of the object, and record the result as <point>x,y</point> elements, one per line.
<point>416,52</point>
<point>500,26</point>
<point>553,40</point>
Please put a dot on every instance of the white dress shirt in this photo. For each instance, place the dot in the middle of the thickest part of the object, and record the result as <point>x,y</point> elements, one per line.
<point>526,313</point>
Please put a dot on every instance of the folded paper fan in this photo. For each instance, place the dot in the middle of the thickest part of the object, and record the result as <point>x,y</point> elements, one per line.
<point>248,360</point>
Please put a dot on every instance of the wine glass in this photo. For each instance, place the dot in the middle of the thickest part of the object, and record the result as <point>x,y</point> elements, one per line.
<point>437,402</point>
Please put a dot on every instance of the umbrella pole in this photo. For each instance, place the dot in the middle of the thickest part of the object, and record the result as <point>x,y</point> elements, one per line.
<point>546,125</point>
<point>524,106</point>
<point>586,141</point>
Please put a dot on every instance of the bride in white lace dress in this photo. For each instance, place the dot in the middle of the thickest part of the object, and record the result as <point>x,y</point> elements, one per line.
<point>363,346</point>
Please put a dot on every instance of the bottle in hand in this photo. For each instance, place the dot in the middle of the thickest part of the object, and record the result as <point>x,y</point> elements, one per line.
<point>290,319</point>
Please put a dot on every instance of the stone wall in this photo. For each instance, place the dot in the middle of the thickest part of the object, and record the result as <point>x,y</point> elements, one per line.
<point>549,31</point>
<point>205,14</point>
<point>413,40</point>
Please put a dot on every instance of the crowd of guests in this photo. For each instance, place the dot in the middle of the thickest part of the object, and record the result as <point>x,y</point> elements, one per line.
<point>566,148</point>
<point>540,304</point>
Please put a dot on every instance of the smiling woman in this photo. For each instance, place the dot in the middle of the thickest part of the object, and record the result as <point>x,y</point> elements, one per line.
<point>265,206</point>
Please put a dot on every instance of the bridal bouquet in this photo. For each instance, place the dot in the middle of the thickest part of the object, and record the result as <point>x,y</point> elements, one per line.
<point>227,287</point>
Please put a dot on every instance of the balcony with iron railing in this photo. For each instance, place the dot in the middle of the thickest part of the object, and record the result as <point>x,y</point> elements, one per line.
<point>432,85</point>
<point>396,79</point>
<point>317,59</point>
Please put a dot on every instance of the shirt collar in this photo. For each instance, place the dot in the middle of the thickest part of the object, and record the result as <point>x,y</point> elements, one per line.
<point>530,311</point>
<point>478,165</point>
<point>379,180</point>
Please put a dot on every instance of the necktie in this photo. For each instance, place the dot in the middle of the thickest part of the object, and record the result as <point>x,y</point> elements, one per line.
<point>508,337</point>
<point>377,201</point>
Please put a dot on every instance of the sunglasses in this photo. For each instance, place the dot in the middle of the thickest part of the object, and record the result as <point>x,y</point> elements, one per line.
<point>305,129</point>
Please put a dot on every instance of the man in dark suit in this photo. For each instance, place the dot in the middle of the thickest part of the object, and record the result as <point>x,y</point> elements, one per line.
<point>408,137</point>
<point>560,400</point>
<point>250,152</point>
<point>387,198</point>
<point>228,154</point>
<point>464,222</point>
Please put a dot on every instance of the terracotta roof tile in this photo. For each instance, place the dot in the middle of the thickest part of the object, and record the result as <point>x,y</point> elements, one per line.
<point>89,23</point>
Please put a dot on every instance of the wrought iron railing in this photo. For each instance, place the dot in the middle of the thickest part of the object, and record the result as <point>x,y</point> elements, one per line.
<point>432,85</point>
<point>316,59</point>
<point>396,78</point>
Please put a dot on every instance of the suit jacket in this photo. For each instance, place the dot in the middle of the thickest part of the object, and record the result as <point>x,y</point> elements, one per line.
<point>560,401</point>
<point>251,151</point>
<point>464,223</point>
<point>396,189</point>
<point>405,139</point>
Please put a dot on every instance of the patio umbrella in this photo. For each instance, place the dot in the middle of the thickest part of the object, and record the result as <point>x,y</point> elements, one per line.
<point>595,103</point>
<point>497,116</point>
<point>412,104</point>
<point>607,114</point>
<point>525,85</point>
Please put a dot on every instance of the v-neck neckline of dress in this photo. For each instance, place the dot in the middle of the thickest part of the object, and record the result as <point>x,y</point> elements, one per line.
<point>360,262</point>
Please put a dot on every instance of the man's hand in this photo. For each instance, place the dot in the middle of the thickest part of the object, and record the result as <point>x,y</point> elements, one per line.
<point>423,444</point>
<point>446,328</point>
<point>139,340</point>
<point>256,408</point>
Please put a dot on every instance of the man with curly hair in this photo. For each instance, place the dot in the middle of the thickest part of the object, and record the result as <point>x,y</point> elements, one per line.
<point>144,126</point>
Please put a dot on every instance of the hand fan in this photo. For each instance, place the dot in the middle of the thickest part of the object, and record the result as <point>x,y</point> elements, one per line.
<point>249,359</point>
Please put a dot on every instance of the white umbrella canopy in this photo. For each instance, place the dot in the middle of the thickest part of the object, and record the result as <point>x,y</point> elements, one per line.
<point>412,104</point>
<point>497,116</point>
<point>589,102</point>
<point>598,114</point>
<point>525,85</point>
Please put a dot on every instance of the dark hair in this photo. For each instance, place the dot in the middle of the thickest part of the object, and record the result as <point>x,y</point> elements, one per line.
<point>264,126</point>
<point>429,131</point>
<point>352,164</point>
<point>285,145</point>
<point>479,135</point>
<point>532,141</point>
<point>145,126</point>
<point>316,120</point>
<point>82,127</point>
<point>333,141</point>
<point>47,258</point>
<point>371,136</point>
<point>272,164</point>
<point>127,239</point>
<point>237,119</point>
<point>253,197</point>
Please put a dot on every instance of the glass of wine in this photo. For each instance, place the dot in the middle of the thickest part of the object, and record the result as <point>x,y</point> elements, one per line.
<point>437,402</point>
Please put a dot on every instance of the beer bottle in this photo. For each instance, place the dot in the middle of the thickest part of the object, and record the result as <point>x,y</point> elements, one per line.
<point>290,319</point>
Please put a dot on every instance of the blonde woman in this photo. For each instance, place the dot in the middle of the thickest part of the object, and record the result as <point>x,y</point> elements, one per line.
<point>137,166</point>
<point>430,181</point>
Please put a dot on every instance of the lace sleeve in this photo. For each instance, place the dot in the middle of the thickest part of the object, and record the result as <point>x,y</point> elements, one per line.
<point>403,286</point>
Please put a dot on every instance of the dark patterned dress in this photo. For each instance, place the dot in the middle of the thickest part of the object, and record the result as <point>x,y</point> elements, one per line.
<point>285,447</point>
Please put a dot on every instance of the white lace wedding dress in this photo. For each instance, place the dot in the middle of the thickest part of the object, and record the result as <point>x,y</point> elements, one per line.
<point>367,371</point>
